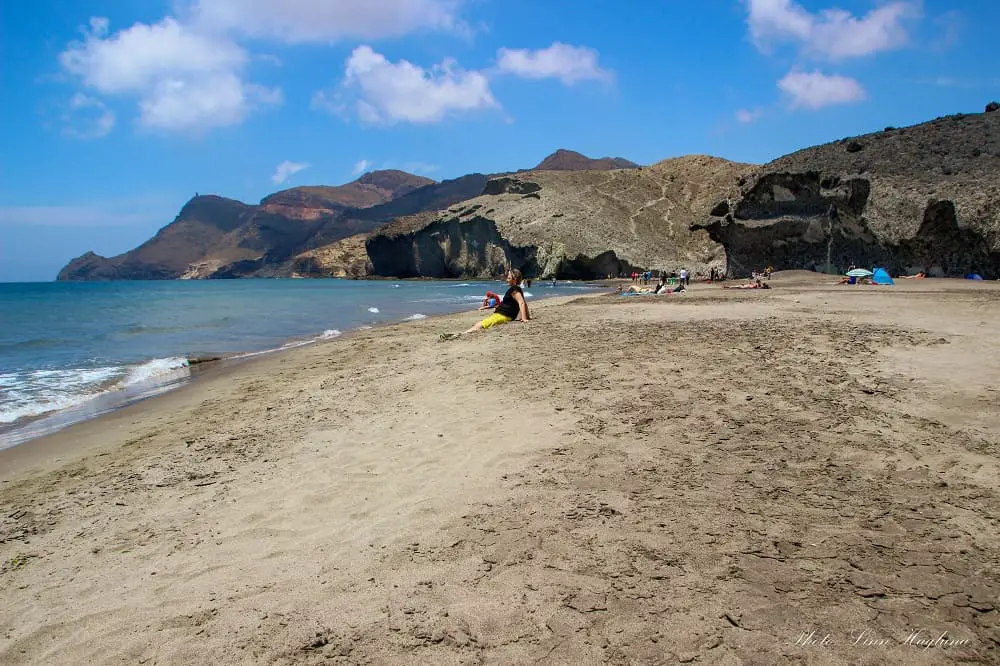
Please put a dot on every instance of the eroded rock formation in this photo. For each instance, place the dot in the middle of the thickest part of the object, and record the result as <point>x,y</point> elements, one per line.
<point>582,224</point>
<point>346,258</point>
<point>924,198</point>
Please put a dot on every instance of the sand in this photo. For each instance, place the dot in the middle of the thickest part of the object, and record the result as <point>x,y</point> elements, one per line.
<point>802,475</point>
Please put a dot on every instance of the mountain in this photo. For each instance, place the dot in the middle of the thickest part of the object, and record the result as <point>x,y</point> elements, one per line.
<point>569,160</point>
<point>372,189</point>
<point>217,237</point>
<point>924,198</point>
<point>338,249</point>
<point>921,198</point>
<point>201,227</point>
<point>570,224</point>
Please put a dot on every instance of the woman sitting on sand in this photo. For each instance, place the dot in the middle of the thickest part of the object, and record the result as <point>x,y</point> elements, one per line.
<point>512,305</point>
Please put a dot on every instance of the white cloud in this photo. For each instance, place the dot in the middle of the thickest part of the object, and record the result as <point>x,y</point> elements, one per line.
<point>782,19</point>
<point>184,79</point>
<point>747,116</point>
<point>567,63</point>
<point>386,93</point>
<point>99,25</point>
<point>286,170</point>
<point>328,20</point>
<point>360,167</point>
<point>87,118</point>
<point>833,34</point>
<point>420,168</point>
<point>814,90</point>
<point>130,59</point>
<point>201,102</point>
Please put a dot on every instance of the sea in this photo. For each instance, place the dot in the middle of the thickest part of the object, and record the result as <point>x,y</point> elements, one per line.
<point>70,351</point>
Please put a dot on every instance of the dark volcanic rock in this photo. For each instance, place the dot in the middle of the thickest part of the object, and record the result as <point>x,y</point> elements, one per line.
<point>448,248</point>
<point>992,106</point>
<point>924,198</point>
<point>510,185</point>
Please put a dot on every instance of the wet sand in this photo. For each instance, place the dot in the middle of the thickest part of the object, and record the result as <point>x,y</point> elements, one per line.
<point>807,474</point>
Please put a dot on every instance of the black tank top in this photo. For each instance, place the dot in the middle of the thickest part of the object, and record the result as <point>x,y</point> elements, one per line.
<point>508,306</point>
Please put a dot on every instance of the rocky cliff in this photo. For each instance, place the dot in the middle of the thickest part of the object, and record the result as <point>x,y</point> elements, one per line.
<point>570,224</point>
<point>346,258</point>
<point>922,198</point>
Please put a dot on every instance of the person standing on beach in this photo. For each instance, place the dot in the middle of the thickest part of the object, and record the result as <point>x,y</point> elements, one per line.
<point>684,276</point>
<point>512,305</point>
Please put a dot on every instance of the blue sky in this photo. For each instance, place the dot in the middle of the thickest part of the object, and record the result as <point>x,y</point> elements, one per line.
<point>115,113</point>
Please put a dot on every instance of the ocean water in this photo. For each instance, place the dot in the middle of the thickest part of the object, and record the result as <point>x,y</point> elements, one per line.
<point>70,351</point>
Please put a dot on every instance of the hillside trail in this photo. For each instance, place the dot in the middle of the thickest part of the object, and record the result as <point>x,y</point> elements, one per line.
<point>649,204</point>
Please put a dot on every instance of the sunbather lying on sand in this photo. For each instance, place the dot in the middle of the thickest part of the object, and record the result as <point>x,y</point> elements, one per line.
<point>753,284</point>
<point>918,276</point>
<point>661,290</point>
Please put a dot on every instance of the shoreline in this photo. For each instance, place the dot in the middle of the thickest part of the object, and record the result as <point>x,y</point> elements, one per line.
<point>28,429</point>
<point>13,457</point>
<point>706,478</point>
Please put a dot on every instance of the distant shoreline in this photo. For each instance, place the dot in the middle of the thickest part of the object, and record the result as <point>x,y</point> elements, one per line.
<point>199,365</point>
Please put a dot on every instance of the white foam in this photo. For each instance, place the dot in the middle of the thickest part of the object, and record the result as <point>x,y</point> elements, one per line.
<point>414,317</point>
<point>43,391</point>
<point>364,328</point>
<point>373,310</point>
<point>287,346</point>
<point>11,414</point>
<point>528,294</point>
<point>329,334</point>
<point>72,378</point>
<point>153,371</point>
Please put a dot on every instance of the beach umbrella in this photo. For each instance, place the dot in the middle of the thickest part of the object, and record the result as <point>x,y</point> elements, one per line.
<point>859,272</point>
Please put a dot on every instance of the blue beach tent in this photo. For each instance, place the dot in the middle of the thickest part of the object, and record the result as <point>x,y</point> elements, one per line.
<point>881,276</point>
<point>973,276</point>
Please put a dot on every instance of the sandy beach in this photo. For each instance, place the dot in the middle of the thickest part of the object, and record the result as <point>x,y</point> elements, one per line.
<point>807,474</point>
